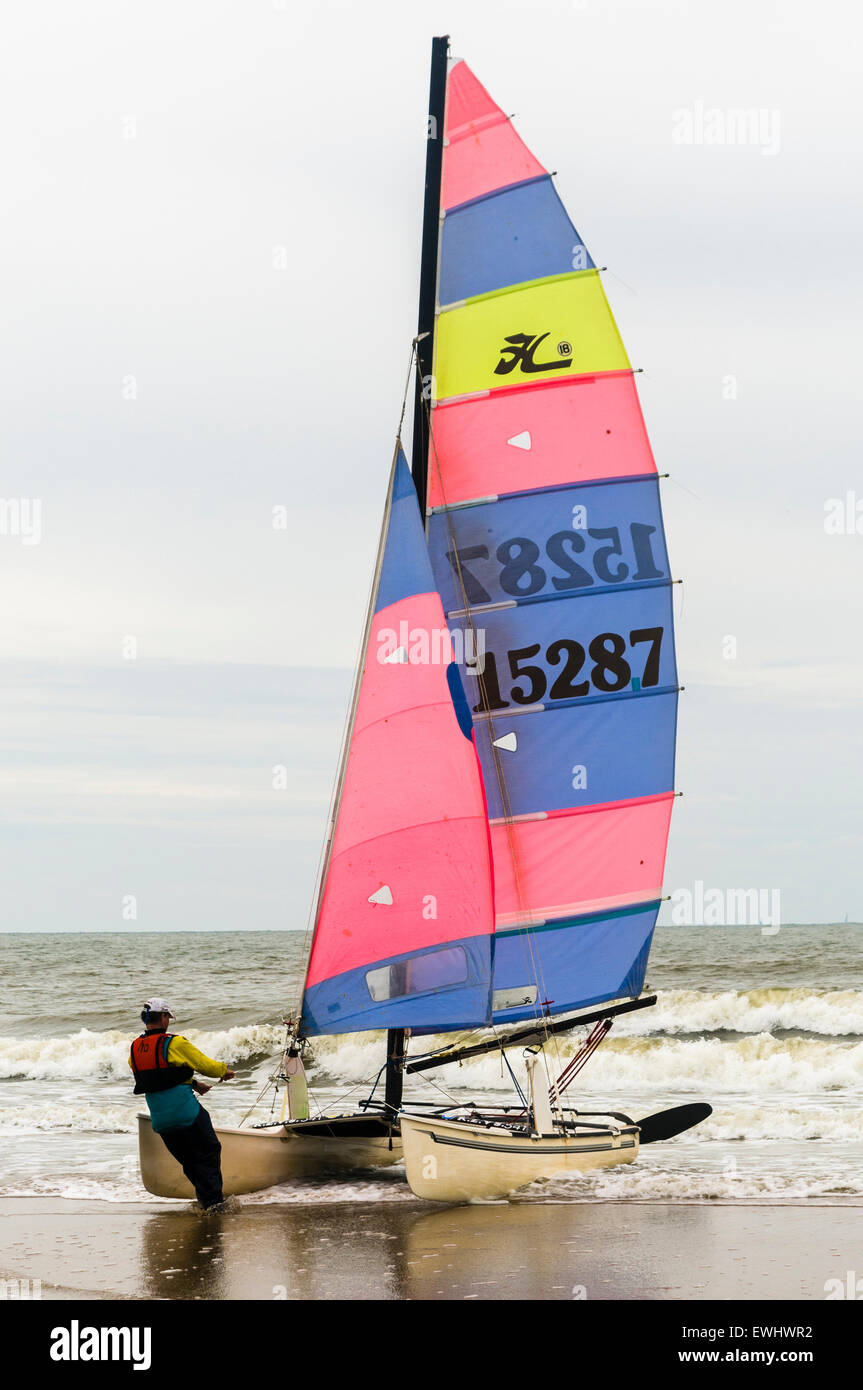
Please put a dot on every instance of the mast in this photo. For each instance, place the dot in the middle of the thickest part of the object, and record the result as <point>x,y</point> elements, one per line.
<point>394,1083</point>
<point>429,263</point>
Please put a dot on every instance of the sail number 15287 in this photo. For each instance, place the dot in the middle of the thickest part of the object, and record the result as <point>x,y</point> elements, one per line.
<point>610,672</point>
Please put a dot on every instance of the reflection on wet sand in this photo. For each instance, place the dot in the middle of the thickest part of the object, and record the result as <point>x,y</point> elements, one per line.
<point>287,1252</point>
<point>405,1251</point>
<point>299,1250</point>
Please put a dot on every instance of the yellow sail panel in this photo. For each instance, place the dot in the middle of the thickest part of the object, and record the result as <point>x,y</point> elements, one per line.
<point>539,331</point>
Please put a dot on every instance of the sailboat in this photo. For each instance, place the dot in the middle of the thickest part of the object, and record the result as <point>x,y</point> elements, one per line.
<point>497,837</point>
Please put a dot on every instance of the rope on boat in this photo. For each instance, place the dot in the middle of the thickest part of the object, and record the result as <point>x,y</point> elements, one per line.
<point>584,1053</point>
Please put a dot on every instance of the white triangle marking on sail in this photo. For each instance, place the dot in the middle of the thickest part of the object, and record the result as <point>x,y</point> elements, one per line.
<point>399,656</point>
<point>520,441</point>
<point>383,896</point>
<point>509,742</point>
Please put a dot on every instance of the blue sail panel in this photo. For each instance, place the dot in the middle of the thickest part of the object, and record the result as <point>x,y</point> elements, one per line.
<point>519,233</point>
<point>579,755</point>
<point>405,568</point>
<point>572,964</point>
<point>433,990</point>
<point>550,543</point>
<point>610,646</point>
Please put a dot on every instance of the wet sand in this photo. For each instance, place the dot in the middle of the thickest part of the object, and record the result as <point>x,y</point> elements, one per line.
<point>366,1250</point>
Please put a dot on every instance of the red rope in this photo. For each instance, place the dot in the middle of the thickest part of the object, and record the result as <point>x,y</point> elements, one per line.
<point>584,1053</point>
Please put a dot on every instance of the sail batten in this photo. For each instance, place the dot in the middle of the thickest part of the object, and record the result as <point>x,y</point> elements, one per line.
<point>543,488</point>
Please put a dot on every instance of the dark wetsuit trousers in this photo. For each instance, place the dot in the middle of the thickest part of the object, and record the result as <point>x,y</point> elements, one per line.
<point>197,1150</point>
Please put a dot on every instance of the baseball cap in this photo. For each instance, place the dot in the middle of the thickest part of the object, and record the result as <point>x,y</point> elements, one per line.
<point>159,1006</point>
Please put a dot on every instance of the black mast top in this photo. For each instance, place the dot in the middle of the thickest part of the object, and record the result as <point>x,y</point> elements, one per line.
<point>428,266</point>
<point>394,1080</point>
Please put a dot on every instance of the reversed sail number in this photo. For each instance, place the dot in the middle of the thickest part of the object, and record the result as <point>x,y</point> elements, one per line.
<point>522,577</point>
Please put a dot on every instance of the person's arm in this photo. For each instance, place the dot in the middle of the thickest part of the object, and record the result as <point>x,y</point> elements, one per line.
<point>181,1052</point>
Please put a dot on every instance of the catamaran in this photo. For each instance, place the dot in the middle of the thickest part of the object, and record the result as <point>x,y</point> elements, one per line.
<point>497,837</point>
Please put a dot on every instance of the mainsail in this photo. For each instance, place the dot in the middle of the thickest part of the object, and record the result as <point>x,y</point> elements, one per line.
<point>546,540</point>
<point>403,932</point>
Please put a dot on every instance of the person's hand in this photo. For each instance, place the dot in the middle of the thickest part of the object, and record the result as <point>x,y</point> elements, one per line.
<point>201,1088</point>
<point>229,1075</point>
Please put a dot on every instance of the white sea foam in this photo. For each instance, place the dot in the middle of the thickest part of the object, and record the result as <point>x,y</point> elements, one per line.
<point>829,1013</point>
<point>760,1064</point>
<point>643,1181</point>
<point>755,1064</point>
<point>734,1121</point>
<point>35,1119</point>
<point>85,1056</point>
<point>648,1183</point>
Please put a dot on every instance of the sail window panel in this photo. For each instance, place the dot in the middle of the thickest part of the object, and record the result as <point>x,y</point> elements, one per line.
<point>483,157</point>
<point>580,861</point>
<point>417,974</point>
<point>578,962</point>
<point>517,234</point>
<point>580,756</point>
<point>549,329</point>
<point>515,998</point>
<point>554,543</point>
<point>343,1003</point>
<point>575,430</point>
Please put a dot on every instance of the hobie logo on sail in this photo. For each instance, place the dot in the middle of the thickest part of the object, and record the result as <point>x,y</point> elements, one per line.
<point>521,351</point>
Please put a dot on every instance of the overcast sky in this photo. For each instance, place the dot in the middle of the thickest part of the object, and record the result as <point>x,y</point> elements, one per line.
<point>211,223</point>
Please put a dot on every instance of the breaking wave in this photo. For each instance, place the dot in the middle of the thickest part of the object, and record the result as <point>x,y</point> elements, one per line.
<point>86,1056</point>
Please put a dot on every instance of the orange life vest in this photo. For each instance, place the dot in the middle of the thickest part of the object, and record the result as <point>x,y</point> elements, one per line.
<point>153,1071</point>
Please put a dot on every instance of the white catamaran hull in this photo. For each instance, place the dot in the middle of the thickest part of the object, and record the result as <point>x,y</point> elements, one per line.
<point>253,1159</point>
<point>458,1161</point>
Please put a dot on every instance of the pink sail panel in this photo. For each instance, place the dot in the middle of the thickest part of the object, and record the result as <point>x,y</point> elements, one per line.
<point>412,810</point>
<point>467,101</point>
<point>483,151</point>
<point>552,434</point>
<point>482,161</point>
<point>580,861</point>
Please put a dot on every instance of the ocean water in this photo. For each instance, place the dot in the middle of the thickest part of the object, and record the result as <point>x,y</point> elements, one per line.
<point>767,1028</point>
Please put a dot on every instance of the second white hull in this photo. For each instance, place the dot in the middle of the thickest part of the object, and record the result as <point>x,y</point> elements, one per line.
<point>457,1161</point>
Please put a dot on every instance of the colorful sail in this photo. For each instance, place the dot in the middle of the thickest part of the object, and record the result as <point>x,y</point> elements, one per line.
<point>404,927</point>
<point>546,539</point>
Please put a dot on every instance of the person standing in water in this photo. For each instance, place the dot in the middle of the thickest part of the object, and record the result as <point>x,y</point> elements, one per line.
<point>164,1066</point>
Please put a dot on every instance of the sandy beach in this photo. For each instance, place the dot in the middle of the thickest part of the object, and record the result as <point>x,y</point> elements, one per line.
<point>356,1251</point>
